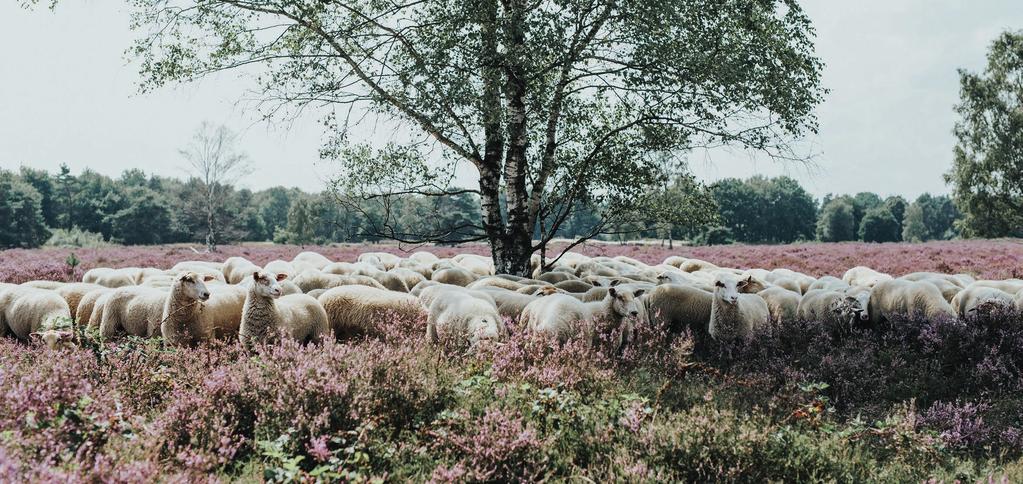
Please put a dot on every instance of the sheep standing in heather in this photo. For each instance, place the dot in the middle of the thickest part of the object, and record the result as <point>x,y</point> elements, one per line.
<point>864,276</point>
<point>981,300</point>
<point>455,316</point>
<point>268,313</point>
<point>180,320</point>
<point>135,310</point>
<point>892,298</point>
<point>563,316</point>
<point>355,311</point>
<point>734,314</point>
<point>25,310</point>
<point>238,269</point>
<point>782,303</point>
<point>677,308</point>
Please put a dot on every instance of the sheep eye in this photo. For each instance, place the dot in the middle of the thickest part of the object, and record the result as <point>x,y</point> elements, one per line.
<point>719,284</point>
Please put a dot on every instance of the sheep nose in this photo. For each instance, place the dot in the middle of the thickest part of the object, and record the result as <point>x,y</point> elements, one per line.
<point>634,313</point>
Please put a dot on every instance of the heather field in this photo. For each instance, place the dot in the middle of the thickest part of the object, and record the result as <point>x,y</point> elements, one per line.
<point>913,401</point>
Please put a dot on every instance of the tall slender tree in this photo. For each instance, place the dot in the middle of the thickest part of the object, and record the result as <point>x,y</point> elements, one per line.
<point>214,159</point>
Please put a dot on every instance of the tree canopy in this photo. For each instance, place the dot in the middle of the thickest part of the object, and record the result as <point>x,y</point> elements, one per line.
<point>550,104</point>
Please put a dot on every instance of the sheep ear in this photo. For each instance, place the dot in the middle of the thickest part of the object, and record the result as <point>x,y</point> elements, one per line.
<point>615,282</point>
<point>281,277</point>
<point>207,278</point>
<point>596,283</point>
<point>255,276</point>
<point>612,292</point>
<point>639,292</point>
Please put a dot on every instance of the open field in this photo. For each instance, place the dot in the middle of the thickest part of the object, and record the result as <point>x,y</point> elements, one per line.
<point>921,399</point>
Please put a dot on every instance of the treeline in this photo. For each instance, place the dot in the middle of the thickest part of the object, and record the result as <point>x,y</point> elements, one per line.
<point>136,208</point>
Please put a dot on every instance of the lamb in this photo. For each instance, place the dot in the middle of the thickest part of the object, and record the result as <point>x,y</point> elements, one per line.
<point>454,316</point>
<point>563,316</point>
<point>135,310</point>
<point>734,314</point>
<point>356,310</point>
<point>237,269</point>
<point>892,298</point>
<point>864,276</point>
<point>454,275</point>
<point>782,303</point>
<point>678,307</point>
<point>26,310</point>
<point>180,322</point>
<point>267,313</point>
<point>981,300</point>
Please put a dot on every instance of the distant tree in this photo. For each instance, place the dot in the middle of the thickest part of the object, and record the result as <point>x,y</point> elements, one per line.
<point>65,183</point>
<point>44,184</point>
<point>862,203</point>
<point>897,206</point>
<point>21,215</point>
<point>274,204</point>
<point>300,229</point>
<point>914,227</point>
<point>739,207</point>
<point>836,222</point>
<point>880,225</point>
<point>765,210</point>
<point>987,165</point>
<point>144,219</point>
<point>214,159</point>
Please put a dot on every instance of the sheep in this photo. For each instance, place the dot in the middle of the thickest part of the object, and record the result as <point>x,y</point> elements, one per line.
<point>495,281</point>
<point>782,303</point>
<point>509,303</point>
<point>948,289</point>
<point>356,310</point>
<point>312,259</point>
<point>677,307</point>
<point>26,310</point>
<point>189,265</point>
<point>476,264</point>
<point>454,275</point>
<point>923,276</point>
<point>74,292</point>
<point>826,306</point>
<point>891,298</point>
<point>236,269</point>
<point>830,283</point>
<point>180,322</point>
<point>381,260</point>
<point>135,310</point>
<point>280,267</point>
<point>981,300</point>
<point>803,281</point>
<point>341,268</point>
<point>555,277</point>
<point>864,276</point>
<point>1011,286</point>
<point>97,310</point>
<point>424,258</point>
<point>734,314</point>
<point>48,285</point>
<point>563,316</point>
<point>427,295</point>
<point>267,313</point>
<point>408,276</point>
<point>390,281</point>
<point>55,339</point>
<point>693,265</point>
<point>454,316</point>
<point>789,284</point>
<point>856,305</point>
<point>576,286</point>
<point>594,268</point>
<point>674,260</point>
<point>112,278</point>
<point>87,305</point>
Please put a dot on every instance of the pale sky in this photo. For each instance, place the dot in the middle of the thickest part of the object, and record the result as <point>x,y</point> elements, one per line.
<point>67,94</point>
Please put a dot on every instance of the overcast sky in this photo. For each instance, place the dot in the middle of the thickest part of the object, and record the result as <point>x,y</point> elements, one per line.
<point>67,94</point>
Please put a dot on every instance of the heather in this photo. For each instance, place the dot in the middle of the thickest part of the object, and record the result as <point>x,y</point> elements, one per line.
<point>992,259</point>
<point>921,400</point>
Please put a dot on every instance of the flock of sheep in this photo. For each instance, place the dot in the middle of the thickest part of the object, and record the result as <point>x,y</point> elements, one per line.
<point>463,300</point>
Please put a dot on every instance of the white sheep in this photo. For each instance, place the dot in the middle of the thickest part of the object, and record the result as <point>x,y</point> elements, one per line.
<point>458,316</point>
<point>679,307</point>
<point>734,314</point>
<point>358,310</point>
<point>830,283</point>
<point>782,303</point>
<point>312,259</point>
<point>237,269</point>
<point>509,303</point>
<point>267,313</point>
<point>864,276</point>
<point>826,306</point>
<point>564,317</point>
<point>454,275</point>
<point>892,298</point>
<point>135,310</point>
<point>26,310</point>
<point>981,300</point>
<point>280,267</point>
<point>195,313</point>
<point>381,260</point>
<point>112,278</point>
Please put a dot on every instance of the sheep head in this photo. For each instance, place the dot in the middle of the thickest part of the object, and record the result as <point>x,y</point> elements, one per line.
<point>267,284</point>
<point>54,339</point>
<point>193,285</point>
<point>625,302</point>
<point>727,288</point>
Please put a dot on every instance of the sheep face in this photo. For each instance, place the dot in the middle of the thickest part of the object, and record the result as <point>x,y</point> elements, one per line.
<point>625,303</point>
<point>856,305</point>
<point>484,328</point>
<point>54,339</point>
<point>727,287</point>
<point>667,277</point>
<point>194,285</point>
<point>267,284</point>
